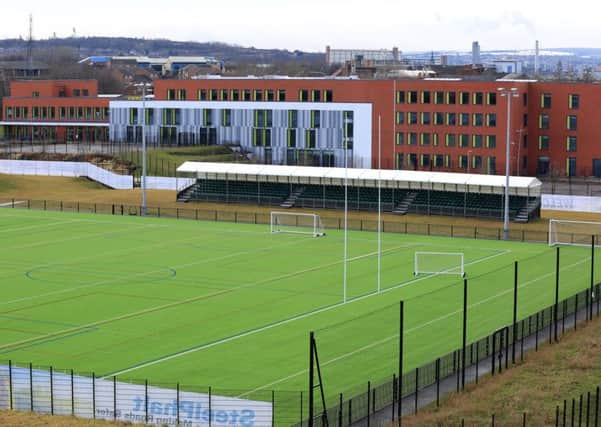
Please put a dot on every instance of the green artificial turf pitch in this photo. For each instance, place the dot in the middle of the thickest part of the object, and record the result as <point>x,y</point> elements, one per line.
<point>231,305</point>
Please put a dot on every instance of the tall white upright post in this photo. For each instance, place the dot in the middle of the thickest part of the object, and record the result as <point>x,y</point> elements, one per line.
<point>379,203</point>
<point>143,149</point>
<point>509,93</point>
<point>344,280</point>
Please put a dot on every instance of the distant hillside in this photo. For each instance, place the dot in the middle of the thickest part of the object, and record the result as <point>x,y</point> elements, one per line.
<point>86,46</point>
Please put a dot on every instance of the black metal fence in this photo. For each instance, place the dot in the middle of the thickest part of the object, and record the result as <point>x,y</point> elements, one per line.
<point>329,222</point>
<point>382,403</point>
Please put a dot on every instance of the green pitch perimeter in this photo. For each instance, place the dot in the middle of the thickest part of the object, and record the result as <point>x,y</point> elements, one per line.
<point>231,305</point>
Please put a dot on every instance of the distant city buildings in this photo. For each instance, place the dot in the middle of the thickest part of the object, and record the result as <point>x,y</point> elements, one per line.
<point>170,66</point>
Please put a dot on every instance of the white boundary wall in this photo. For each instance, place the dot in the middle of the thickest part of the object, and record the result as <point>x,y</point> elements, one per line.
<point>105,399</point>
<point>558,202</point>
<point>76,169</point>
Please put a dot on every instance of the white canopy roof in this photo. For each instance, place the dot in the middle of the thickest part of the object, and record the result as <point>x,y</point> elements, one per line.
<point>419,180</point>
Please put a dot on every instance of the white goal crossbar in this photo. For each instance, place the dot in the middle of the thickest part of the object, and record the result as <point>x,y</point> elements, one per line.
<point>574,233</point>
<point>296,222</point>
<point>439,263</point>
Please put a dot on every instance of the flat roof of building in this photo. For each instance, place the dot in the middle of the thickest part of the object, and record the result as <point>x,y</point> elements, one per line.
<point>405,179</point>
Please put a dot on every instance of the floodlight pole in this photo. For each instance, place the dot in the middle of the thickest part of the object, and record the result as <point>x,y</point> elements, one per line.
<point>379,203</point>
<point>344,280</point>
<point>143,212</point>
<point>509,93</point>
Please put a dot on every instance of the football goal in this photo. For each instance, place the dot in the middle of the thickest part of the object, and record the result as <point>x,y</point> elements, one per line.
<point>574,233</point>
<point>439,263</point>
<point>297,222</point>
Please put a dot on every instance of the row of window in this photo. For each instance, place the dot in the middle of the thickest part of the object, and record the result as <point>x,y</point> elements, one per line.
<point>53,113</point>
<point>448,119</point>
<point>450,140</point>
<point>544,143</point>
<point>450,98</point>
<point>544,122</point>
<point>412,160</point>
<point>63,94</point>
<point>269,95</point>
<point>573,101</point>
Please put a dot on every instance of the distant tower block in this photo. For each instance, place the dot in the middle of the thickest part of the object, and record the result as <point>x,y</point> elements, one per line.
<point>476,54</point>
<point>536,58</point>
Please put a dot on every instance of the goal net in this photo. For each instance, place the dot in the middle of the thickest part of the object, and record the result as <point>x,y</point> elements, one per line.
<point>296,222</point>
<point>574,233</point>
<point>439,263</point>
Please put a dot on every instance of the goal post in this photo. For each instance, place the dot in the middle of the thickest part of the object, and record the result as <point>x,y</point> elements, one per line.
<point>573,233</point>
<point>296,222</point>
<point>439,263</point>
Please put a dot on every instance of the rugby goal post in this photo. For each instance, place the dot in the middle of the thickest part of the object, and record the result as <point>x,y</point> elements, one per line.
<point>296,222</point>
<point>439,263</point>
<point>573,233</point>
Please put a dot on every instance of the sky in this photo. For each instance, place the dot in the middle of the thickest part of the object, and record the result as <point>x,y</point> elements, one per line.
<point>310,25</point>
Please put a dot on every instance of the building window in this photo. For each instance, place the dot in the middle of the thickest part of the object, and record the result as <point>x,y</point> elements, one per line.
<point>491,141</point>
<point>438,118</point>
<point>543,121</point>
<point>207,117</point>
<point>542,165</point>
<point>76,92</point>
<point>543,142</point>
<point>464,98</point>
<point>315,119</point>
<point>425,139</point>
<point>257,95</point>
<point>412,118</point>
<point>235,95</point>
<point>525,99</point>
<point>571,166</point>
<point>226,118</point>
<point>170,94</point>
<point>477,162</point>
<point>400,97</point>
<point>464,140</point>
<point>451,98</point>
<point>35,94</point>
<point>246,95</point>
<point>399,160</point>
<point>310,138</point>
<point>269,95</point>
<point>292,118</point>
<point>303,95</point>
<point>464,119</point>
<point>224,94</point>
<point>573,101</point>
<point>525,120</point>
<point>281,95</point>
<point>412,138</point>
<point>328,95</point>
<point>451,119</point>
<point>213,95</point>
<point>478,98</point>
<point>477,141</point>
<point>491,165</point>
<point>450,139</point>
<point>264,119</point>
<point>462,161</point>
<point>425,118</point>
<point>202,95</point>
<point>412,160</point>
<point>425,160</point>
<point>291,138</point>
<point>439,97</point>
<point>400,138</point>
<point>400,118</point>
<point>571,143</point>
<point>425,97</point>
<point>572,122</point>
<point>477,119</point>
<point>545,100</point>
<point>491,98</point>
<point>315,96</point>
<point>181,94</point>
<point>491,120</point>
<point>437,160</point>
<point>412,97</point>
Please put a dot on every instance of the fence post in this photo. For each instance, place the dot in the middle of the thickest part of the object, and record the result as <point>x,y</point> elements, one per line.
<point>350,411</point>
<point>368,402</point>
<point>272,408</point>
<point>536,332</point>
<point>522,343</point>
<point>588,407</point>
<point>31,386</point>
<point>573,411</point>
<point>72,395</point>
<point>565,412</point>
<point>51,392</point>
<point>177,399</point>
<point>146,401</point>
<point>557,416</point>
<point>93,395</point>
<point>563,319</point>
<point>438,382</point>
<point>464,334</point>
<point>401,333</point>
<point>477,359</point>
<point>576,312</point>
<point>114,397</point>
<point>340,410</point>
<point>597,407</point>
<point>515,310</point>
<point>592,277</point>
<point>580,410</point>
<point>393,395</point>
<point>10,384</point>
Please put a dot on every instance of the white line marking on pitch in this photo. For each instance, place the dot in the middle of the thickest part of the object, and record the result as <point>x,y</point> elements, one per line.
<point>285,321</point>
<point>415,328</point>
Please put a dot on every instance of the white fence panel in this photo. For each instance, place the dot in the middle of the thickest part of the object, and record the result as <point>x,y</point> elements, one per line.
<point>557,202</point>
<point>167,183</point>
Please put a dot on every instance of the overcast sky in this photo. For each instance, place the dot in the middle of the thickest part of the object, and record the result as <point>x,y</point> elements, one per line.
<point>310,25</point>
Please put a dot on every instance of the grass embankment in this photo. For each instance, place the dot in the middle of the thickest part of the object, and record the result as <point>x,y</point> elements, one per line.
<point>547,377</point>
<point>27,419</point>
<point>163,162</point>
